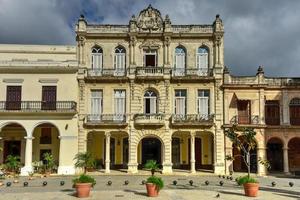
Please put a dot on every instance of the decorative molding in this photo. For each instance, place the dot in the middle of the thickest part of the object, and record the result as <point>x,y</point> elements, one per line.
<point>13,80</point>
<point>70,137</point>
<point>150,19</point>
<point>150,44</point>
<point>48,80</point>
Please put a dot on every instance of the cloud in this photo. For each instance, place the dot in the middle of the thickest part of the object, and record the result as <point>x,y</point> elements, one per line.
<point>256,32</point>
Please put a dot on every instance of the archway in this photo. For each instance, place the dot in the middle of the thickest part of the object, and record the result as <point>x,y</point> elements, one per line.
<point>150,149</point>
<point>46,140</point>
<point>12,141</point>
<point>294,154</point>
<point>275,154</point>
<point>238,162</point>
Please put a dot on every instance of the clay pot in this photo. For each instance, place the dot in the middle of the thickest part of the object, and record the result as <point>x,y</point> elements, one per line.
<point>83,189</point>
<point>1,183</point>
<point>152,190</point>
<point>251,189</point>
<point>16,181</point>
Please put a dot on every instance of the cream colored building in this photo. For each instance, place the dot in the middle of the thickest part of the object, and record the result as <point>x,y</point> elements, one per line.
<point>272,107</point>
<point>38,98</point>
<point>151,90</point>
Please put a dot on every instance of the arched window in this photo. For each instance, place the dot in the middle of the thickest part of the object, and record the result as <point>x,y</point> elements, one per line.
<point>97,58</point>
<point>202,60</point>
<point>179,61</point>
<point>150,102</point>
<point>120,60</point>
<point>295,111</point>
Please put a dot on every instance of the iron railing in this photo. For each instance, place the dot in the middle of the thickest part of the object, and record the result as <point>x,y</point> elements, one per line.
<point>192,72</point>
<point>193,118</point>
<point>154,116</point>
<point>105,72</point>
<point>272,120</point>
<point>245,119</point>
<point>106,118</point>
<point>151,71</point>
<point>35,106</point>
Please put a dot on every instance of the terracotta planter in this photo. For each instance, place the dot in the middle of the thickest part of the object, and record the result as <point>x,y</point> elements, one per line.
<point>83,189</point>
<point>152,190</point>
<point>251,189</point>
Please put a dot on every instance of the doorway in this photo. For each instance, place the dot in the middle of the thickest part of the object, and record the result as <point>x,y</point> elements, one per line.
<point>151,150</point>
<point>11,147</point>
<point>275,154</point>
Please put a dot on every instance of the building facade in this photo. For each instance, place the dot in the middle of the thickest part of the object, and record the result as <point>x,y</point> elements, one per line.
<point>151,90</point>
<point>144,90</point>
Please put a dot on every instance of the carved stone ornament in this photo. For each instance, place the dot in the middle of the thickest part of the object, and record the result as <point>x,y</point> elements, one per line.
<point>150,19</point>
<point>150,44</point>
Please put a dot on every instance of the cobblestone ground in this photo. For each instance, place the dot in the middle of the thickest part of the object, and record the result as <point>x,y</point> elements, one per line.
<point>135,190</point>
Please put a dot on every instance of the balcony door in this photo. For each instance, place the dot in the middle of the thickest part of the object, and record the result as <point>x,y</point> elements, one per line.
<point>203,104</point>
<point>272,112</point>
<point>180,103</point>
<point>13,97</point>
<point>150,58</point>
<point>179,63</point>
<point>96,105</point>
<point>244,111</point>
<point>120,96</point>
<point>49,98</point>
<point>150,102</point>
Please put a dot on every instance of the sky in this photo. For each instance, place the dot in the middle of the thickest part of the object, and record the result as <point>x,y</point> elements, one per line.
<point>257,32</point>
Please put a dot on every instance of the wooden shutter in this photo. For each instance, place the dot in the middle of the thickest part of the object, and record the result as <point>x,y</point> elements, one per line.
<point>13,97</point>
<point>243,111</point>
<point>49,98</point>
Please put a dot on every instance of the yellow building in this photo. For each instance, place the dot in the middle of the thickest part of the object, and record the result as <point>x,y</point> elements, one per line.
<point>272,107</point>
<point>38,104</point>
<point>151,90</point>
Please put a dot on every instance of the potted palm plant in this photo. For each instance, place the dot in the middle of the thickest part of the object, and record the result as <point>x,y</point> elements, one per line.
<point>245,145</point>
<point>83,183</point>
<point>153,184</point>
<point>13,164</point>
<point>48,163</point>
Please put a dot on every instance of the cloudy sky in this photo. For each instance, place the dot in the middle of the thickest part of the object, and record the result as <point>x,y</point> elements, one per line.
<point>257,32</point>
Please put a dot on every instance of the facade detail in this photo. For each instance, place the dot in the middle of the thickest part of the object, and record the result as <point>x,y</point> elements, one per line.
<point>143,90</point>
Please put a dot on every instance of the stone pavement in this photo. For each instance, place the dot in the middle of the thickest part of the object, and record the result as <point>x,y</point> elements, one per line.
<point>135,190</point>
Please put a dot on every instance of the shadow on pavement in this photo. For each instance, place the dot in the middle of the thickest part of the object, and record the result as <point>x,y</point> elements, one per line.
<point>276,190</point>
<point>136,192</point>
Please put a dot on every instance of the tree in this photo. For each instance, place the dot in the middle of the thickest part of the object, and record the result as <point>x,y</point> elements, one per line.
<point>245,146</point>
<point>84,160</point>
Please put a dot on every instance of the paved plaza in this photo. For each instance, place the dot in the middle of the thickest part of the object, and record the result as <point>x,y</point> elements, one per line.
<point>136,190</point>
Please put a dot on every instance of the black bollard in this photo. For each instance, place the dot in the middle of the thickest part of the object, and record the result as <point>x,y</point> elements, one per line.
<point>221,183</point>
<point>206,182</point>
<point>174,182</point>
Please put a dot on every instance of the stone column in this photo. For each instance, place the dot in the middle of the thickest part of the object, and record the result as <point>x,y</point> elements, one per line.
<point>228,152</point>
<point>261,154</point>
<point>132,164</point>
<point>107,152</point>
<point>286,160</point>
<point>28,157</point>
<point>261,106</point>
<point>193,161</point>
<point>285,108</point>
<point>167,164</point>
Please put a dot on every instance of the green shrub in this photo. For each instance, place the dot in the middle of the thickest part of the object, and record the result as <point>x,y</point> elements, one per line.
<point>84,160</point>
<point>246,179</point>
<point>13,163</point>
<point>83,178</point>
<point>152,166</point>
<point>156,181</point>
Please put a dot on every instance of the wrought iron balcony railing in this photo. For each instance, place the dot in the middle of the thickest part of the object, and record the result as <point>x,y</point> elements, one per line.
<point>245,119</point>
<point>149,119</point>
<point>272,120</point>
<point>192,118</point>
<point>295,121</point>
<point>151,71</point>
<point>106,72</point>
<point>192,72</point>
<point>37,106</point>
<point>106,118</point>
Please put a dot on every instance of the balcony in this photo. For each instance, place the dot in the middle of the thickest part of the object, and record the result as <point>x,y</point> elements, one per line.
<point>38,107</point>
<point>245,120</point>
<point>192,74</point>
<point>192,120</point>
<point>151,72</point>
<point>106,120</point>
<point>105,74</point>
<point>149,119</point>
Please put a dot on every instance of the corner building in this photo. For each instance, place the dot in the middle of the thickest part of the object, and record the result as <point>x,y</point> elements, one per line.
<point>151,90</point>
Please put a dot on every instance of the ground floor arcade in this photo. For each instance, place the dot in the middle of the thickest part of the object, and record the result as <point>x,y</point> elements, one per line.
<point>30,140</point>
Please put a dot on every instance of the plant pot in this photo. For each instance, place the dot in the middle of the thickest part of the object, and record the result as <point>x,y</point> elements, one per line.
<point>251,189</point>
<point>83,189</point>
<point>152,190</point>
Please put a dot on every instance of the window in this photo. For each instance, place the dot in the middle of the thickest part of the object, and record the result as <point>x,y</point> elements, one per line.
<point>150,102</point>
<point>97,59</point>
<point>180,102</point>
<point>272,112</point>
<point>96,104</point>
<point>48,97</point>
<point>179,62</point>
<point>150,58</point>
<point>120,104</point>
<point>202,60</point>
<point>45,136</point>
<point>120,61</point>
<point>203,103</point>
<point>13,97</point>
<point>295,111</point>
<point>244,111</point>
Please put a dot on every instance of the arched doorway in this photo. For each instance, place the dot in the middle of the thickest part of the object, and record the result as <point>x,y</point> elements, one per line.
<point>275,154</point>
<point>294,154</point>
<point>12,142</point>
<point>238,162</point>
<point>151,149</point>
<point>46,140</point>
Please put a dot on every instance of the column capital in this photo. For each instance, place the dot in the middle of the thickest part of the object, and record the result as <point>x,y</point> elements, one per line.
<point>107,134</point>
<point>193,133</point>
<point>28,137</point>
<point>285,148</point>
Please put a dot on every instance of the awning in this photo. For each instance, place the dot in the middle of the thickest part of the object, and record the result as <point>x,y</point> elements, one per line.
<point>245,96</point>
